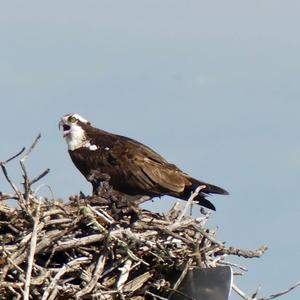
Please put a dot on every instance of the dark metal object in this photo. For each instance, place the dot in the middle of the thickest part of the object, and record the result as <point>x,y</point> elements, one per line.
<point>205,284</point>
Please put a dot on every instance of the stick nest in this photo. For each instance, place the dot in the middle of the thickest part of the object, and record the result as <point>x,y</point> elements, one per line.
<point>98,247</point>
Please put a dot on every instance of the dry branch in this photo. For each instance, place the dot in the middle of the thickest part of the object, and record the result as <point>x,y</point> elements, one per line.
<point>32,251</point>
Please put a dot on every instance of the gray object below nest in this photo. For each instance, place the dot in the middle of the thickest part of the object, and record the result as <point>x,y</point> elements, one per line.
<point>205,284</point>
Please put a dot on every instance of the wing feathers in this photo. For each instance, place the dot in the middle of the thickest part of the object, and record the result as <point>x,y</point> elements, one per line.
<point>162,176</point>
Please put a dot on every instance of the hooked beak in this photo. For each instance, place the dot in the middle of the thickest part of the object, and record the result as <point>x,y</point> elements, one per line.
<point>65,127</point>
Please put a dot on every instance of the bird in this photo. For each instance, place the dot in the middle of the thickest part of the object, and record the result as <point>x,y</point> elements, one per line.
<point>131,167</point>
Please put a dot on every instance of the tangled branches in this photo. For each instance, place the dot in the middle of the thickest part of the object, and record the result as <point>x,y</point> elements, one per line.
<point>99,247</point>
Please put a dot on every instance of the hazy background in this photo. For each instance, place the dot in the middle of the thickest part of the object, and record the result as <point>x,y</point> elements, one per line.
<point>211,85</point>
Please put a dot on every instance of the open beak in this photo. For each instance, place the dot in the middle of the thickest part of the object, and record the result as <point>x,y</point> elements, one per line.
<point>65,127</point>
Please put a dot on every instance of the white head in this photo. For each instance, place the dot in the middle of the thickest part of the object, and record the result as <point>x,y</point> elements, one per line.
<point>73,131</point>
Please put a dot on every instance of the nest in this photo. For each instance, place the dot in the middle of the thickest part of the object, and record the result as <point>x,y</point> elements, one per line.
<point>99,247</point>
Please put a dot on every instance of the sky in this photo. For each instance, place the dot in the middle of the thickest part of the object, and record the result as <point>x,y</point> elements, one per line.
<point>213,86</point>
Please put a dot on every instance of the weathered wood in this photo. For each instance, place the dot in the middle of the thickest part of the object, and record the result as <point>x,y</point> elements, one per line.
<point>100,247</point>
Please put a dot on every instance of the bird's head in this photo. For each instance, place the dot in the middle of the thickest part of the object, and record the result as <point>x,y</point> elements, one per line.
<point>73,130</point>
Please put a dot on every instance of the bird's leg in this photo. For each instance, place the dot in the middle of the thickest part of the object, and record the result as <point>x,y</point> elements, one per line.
<point>96,186</point>
<point>100,183</point>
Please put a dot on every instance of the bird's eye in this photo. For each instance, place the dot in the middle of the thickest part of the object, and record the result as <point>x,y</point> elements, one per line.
<point>72,119</point>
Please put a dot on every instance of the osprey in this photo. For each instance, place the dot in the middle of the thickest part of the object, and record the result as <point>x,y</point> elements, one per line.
<point>131,167</point>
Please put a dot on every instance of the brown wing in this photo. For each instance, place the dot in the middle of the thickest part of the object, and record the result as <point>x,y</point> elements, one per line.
<point>144,170</point>
<point>162,175</point>
<point>135,168</point>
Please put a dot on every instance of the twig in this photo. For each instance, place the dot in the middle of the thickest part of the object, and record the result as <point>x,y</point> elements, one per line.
<point>256,292</point>
<point>102,214</point>
<point>245,253</point>
<point>241,293</point>
<point>182,275</point>
<point>4,196</point>
<point>124,274</point>
<point>14,187</point>
<point>281,293</point>
<point>208,236</point>
<point>7,255</point>
<point>97,273</point>
<point>32,250</point>
<point>247,297</point>
<point>137,282</point>
<point>189,202</point>
<point>44,185</point>
<point>62,246</point>
<point>13,157</point>
<point>60,273</point>
<point>26,182</point>
<point>111,236</point>
<point>17,295</point>
<point>31,147</point>
<point>39,177</point>
<point>17,285</point>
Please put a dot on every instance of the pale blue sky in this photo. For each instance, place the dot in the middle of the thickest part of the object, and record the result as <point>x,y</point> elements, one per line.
<point>211,85</point>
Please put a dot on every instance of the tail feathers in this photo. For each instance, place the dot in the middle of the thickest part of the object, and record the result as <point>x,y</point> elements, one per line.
<point>209,189</point>
<point>204,202</point>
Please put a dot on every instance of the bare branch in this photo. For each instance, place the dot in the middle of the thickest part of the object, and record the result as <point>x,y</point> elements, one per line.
<point>245,253</point>
<point>125,269</point>
<point>241,293</point>
<point>190,201</point>
<point>281,293</point>
<point>14,187</point>
<point>39,177</point>
<point>32,251</point>
<point>26,182</point>
<point>13,157</point>
<point>31,147</point>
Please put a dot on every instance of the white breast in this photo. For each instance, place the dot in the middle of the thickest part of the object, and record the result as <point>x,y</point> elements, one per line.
<point>75,138</point>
